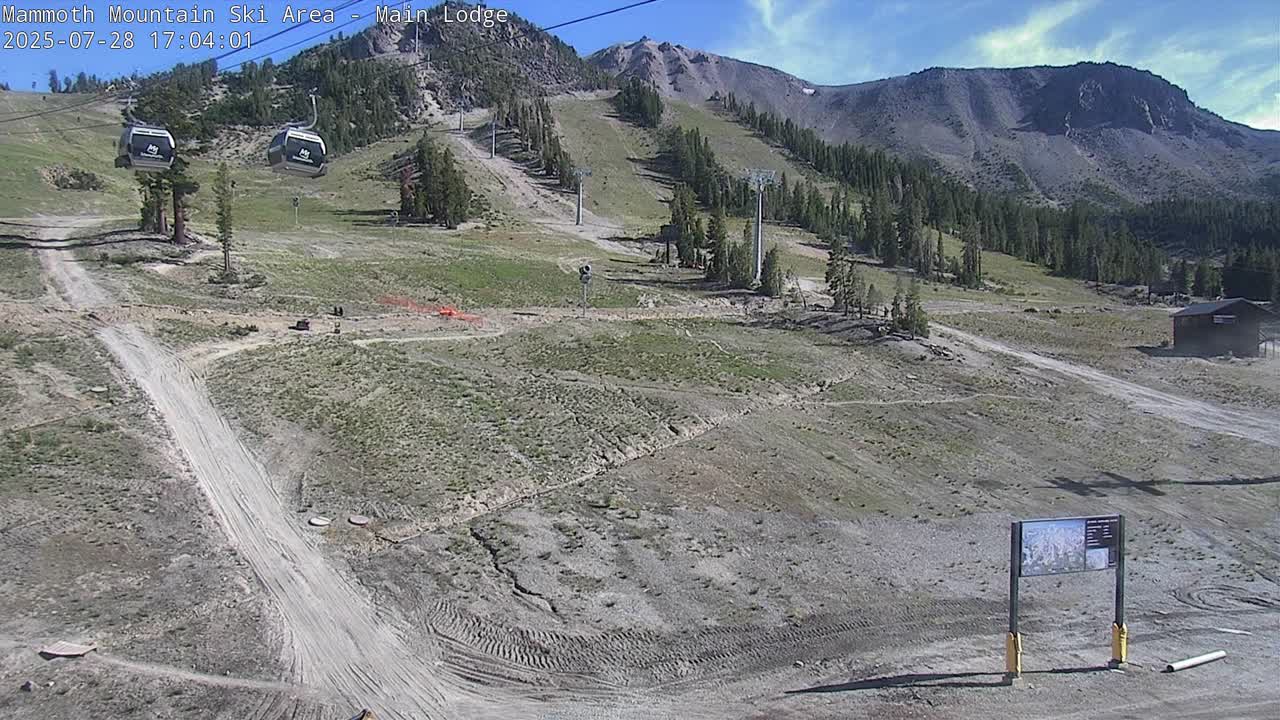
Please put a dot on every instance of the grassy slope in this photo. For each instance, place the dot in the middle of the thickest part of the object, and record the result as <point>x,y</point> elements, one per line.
<point>504,263</point>
<point>620,187</point>
<point>26,146</point>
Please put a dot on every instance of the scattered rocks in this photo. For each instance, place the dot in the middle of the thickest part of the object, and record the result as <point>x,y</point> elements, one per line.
<point>28,686</point>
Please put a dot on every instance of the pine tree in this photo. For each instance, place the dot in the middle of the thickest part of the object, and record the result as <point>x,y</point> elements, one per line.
<point>835,276</point>
<point>874,300</point>
<point>154,191</point>
<point>911,235</point>
<point>1182,278</point>
<point>226,232</point>
<point>971,270</point>
<point>1200,285</point>
<point>180,186</point>
<point>916,320</point>
<point>406,191</point>
<point>741,271</point>
<point>718,238</point>
<point>772,282</point>
<point>940,259</point>
<point>855,287</point>
<point>895,311</point>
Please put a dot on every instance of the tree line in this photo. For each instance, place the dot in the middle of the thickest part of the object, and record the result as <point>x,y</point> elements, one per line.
<point>535,126</point>
<point>639,102</point>
<point>81,83</point>
<point>1078,242</point>
<point>896,237</point>
<point>432,187</point>
<point>1245,234</point>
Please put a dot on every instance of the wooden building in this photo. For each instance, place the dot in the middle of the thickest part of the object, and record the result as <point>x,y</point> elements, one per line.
<point>1217,328</point>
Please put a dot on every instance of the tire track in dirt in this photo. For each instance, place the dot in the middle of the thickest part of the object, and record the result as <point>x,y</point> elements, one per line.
<point>177,673</point>
<point>337,640</point>
<point>1256,426</point>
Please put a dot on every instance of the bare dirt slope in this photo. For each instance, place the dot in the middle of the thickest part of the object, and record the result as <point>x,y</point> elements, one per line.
<point>337,639</point>
<point>1258,426</point>
<point>1091,131</point>
<point>544,206</point>
<point>678,514</point>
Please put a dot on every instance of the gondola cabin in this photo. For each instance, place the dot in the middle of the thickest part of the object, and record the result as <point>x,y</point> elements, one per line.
<point>298,152</point>
<point>145,149</point>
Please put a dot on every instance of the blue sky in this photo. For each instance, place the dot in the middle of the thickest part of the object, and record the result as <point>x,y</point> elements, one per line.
<point>1225,53</point>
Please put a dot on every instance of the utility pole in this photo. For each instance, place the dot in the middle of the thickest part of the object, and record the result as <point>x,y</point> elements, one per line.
<point>493,134</point>
<point>759,179</point>
<point>580,173</point>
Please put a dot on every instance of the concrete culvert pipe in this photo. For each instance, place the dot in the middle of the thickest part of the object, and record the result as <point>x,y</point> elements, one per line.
<point>1194,661</point>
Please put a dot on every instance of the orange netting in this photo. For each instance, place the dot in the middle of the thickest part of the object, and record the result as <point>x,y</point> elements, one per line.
<point>447,311</point>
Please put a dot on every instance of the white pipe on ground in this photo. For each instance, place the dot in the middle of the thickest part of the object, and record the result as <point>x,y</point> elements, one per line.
<point>1194,661</point>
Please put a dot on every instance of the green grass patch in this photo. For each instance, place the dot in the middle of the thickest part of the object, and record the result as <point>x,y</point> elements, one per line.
<point>20,274</point>
<point>623,184</point>
<point>29,146</point>
<point>413,434</point>
<point>716,354</point>
<point>182,333</point>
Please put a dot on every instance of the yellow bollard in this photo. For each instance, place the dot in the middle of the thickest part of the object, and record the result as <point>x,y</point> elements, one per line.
<point>1013,655</point>
<point>1119,645</point>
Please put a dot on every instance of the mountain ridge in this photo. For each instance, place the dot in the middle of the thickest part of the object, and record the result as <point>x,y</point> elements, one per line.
<point>1098,131</point>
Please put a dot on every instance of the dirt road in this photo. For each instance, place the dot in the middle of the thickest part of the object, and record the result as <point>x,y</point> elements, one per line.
<point>336,641</point>
<point>548,210</point>
<point>1256,426</point>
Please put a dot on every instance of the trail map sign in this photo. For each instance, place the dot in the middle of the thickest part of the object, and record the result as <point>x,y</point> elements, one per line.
<point>1068,545</point>
<point>1057,546</point>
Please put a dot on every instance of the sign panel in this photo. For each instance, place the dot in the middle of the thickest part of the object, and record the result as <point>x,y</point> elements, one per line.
<point>1067,545</point>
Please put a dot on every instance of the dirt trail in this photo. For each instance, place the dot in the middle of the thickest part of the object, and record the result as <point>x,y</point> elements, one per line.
<point>556,213</point>
<point>1256,426</point>
<point>337,641</point>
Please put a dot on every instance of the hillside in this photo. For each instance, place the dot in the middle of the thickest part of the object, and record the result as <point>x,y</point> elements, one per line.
<point>1102,132</point>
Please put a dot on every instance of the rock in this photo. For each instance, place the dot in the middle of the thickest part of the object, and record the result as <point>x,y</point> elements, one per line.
<point>799,663</point>
<point>28,686</point>
<point>319,521</point>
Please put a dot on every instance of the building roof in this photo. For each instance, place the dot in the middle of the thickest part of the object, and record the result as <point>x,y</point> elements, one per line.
<point>1213,308</point>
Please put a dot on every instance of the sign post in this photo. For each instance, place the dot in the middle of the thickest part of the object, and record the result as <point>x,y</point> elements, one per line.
<point>296,202</point>
<point>1057,546</point>
<point>1013,641</point>
<point>1119,631</point>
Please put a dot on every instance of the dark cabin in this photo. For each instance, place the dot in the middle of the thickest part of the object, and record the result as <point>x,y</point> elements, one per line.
<point>1217,328</point>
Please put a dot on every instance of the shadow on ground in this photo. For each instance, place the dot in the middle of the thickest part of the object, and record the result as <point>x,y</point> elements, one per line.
<point>949,680</point>
<point>1111,482</point>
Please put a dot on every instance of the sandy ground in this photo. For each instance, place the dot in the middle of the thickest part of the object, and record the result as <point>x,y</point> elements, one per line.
<point>707,571</point>
<point>1257,426</point>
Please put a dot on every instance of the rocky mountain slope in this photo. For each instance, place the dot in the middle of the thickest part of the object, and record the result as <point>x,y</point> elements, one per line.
<point>469,65</point>
<point>1104,132</point>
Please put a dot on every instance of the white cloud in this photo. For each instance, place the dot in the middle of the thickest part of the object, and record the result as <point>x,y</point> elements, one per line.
<point>1266,116</point>
<point>1032,42</point>
<point>1219,69</point>
<point>803,38</point>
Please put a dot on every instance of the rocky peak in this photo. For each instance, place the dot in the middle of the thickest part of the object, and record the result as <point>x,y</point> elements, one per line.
<point>1097,95</point>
